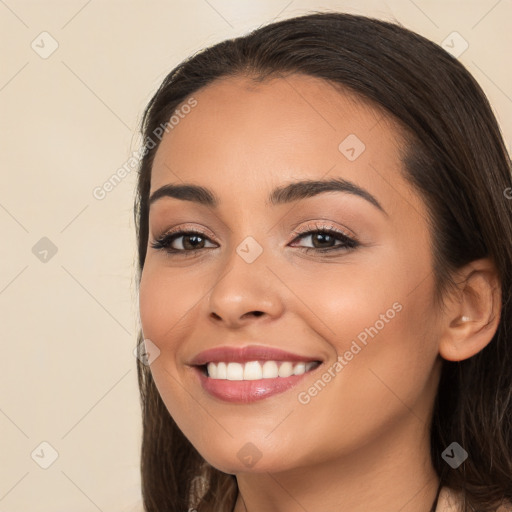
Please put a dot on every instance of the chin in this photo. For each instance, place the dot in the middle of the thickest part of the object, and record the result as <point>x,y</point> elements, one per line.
<point>246,460</point>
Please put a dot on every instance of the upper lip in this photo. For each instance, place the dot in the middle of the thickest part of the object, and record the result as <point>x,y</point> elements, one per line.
<point>246,354</point>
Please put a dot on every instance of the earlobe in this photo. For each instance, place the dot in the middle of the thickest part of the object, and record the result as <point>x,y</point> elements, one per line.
<point>472,314</point>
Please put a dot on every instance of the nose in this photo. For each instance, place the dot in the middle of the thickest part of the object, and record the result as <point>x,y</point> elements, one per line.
<point>245,292</point>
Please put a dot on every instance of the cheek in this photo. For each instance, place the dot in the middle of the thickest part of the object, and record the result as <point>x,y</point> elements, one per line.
<point>166,306</point>
<point>378,308</point>
<point>384,340</point>
<point>166,303</point>
<point>383,376</point>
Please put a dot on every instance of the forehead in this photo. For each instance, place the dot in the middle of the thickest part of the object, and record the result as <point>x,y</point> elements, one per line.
<point>244,137</point>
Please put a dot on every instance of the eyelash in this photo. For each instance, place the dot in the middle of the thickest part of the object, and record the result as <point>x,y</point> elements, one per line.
<point>347,244</point>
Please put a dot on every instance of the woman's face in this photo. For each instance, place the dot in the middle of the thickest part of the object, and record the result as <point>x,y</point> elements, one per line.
<point>252,277</point>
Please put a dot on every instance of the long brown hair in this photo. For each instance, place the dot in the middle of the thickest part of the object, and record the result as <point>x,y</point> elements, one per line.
<point>455,158</point>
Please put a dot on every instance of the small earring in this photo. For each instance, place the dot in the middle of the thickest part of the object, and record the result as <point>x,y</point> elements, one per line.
<point>465,318</point>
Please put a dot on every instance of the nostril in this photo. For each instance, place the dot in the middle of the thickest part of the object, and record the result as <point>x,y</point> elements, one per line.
<point>215,316</point>
<point>253,313</point>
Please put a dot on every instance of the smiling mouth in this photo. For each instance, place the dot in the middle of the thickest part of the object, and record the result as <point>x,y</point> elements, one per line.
<point>256,370</point>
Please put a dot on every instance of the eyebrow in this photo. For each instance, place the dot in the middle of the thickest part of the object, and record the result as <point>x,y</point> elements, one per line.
<point>280,195</point>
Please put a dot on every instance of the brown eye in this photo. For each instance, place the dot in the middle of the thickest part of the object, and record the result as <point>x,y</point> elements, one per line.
<point>190,242</point>
<point>325,240</point>
<point>182,241</point>
<point>322,240</point>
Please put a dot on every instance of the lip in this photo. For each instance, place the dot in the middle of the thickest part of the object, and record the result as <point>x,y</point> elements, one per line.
<point>249,353</point>
<point>247,391</point>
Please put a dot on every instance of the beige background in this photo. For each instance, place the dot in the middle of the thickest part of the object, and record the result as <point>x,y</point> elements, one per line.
<point>69,121</point>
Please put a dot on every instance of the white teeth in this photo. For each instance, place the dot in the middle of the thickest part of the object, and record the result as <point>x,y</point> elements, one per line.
<point>285,370</point>
<point>221,371</point>
<point>254,370</point>
<point>235,371</point>
<point>299,369</point>
<point>270,370</point>
<point>212,370</point>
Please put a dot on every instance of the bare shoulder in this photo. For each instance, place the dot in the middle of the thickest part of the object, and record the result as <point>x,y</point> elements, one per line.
<point>452,501</point>
<point>449,500</point>
<point>507,507</point>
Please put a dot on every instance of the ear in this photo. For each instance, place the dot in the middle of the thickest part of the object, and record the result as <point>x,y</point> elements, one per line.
<point>472,313</point>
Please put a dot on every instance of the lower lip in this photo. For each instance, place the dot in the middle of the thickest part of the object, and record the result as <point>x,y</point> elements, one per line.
<point>247,391</point>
